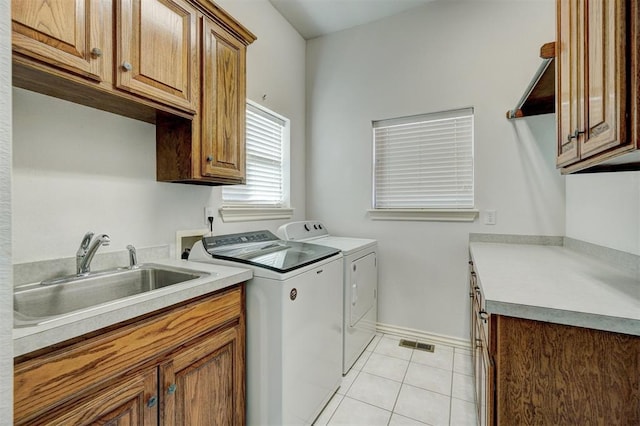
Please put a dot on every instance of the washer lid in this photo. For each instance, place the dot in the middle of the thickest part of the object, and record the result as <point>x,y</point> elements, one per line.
<point>263,249</point>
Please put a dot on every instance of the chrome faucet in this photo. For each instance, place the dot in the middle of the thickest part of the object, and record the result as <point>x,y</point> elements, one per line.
<point>87,250</point>
<point>133,257</point>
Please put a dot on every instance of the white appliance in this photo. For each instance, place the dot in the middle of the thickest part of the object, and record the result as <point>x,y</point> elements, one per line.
<point>360,286</point>
<point>294,323</point>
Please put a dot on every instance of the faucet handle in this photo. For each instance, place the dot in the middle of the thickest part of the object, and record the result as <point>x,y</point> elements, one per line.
<point>133,257</point>
<point>84,244</point>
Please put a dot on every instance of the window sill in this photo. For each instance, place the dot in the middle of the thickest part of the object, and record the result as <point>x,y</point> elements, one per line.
<point>434,215</point>
<point>246,214</point>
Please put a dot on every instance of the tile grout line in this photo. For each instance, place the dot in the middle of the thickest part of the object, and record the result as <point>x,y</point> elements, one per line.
<point>353,381</point>
<point>393,409</point>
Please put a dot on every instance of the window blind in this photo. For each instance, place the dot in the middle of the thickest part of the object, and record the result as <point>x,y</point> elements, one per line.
<point>264,150</point>
<point>424,161</point>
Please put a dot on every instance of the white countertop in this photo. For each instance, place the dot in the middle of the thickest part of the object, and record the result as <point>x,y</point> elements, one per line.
<point>556,284</point>
<point>30,338</point>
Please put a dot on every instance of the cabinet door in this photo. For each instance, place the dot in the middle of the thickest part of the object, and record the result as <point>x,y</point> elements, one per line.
<point>130,401</point>
<point>204,383</point>
<point>74,35</point>
<point>570,71</point>
<point>591,86</point>
<point>156,51</point>
<point>605,82</point>
<point>223,103</point>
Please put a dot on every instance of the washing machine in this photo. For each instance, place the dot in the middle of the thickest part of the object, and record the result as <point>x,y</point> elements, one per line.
<point>294,322</point>
<point>360,283</point>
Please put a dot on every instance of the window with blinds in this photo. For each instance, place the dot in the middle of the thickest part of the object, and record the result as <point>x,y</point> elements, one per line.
<point>265,139</point>
<point>424,161</point>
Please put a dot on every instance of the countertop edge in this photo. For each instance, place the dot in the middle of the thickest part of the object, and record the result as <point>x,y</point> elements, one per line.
<point>570,317</point>
<point>29,339</point>
<point>564,317</point>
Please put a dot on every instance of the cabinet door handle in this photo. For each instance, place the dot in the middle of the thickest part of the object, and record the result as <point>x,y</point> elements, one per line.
<point>97,52</point>
<point>574,135</point>
<point>152,401</point>
<point>172,389</point>
<point>127,66</point>
<point>209,158</point>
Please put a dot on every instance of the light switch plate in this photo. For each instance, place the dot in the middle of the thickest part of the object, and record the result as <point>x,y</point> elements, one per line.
<point>490,217</point>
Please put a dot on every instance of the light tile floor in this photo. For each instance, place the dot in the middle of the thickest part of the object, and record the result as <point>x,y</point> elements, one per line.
<point>392,385</point>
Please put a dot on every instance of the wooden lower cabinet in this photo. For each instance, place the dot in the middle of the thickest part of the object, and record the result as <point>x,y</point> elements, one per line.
<point>539,373</point>
<point>183,366</point>
<point>123,403</point>
<point>553,374</point>
<point>204,384</point>
<point>483,364</point>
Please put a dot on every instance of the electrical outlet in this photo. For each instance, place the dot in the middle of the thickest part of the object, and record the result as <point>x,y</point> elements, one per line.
<point>208,212</point>
<point>490,217</point>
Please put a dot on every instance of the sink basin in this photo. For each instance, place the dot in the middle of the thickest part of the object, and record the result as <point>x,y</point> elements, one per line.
<point>36,303</point>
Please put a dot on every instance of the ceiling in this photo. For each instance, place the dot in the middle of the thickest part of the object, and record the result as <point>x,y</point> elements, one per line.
<point>313,18</point>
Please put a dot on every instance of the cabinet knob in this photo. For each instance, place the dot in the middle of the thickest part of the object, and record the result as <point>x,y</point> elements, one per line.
<point>152,401</point>
<point>97,52</point>
<point>172,389</point>
<point>127,66</point>
<point>209,158</point>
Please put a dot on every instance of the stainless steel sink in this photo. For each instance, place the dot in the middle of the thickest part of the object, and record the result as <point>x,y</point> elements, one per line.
<point>38,303</point>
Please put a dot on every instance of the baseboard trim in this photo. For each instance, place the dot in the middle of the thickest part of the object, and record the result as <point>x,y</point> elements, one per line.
<point>423,336</point>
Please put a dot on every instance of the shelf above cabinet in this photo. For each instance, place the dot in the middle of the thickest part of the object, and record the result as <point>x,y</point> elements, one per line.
<point>540,95</point>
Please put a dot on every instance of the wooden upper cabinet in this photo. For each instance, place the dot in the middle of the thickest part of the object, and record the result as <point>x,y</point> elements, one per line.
<point>179,64</point>
<point>569,46</point>
<point>210,149</point>
<point>157,51</point>
<point>223,103</point>
<point>605,86</point>
<point>73,35</point>
<point>595,81</point>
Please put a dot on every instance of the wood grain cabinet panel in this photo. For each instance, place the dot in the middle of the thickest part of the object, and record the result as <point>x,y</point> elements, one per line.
<point>223,103</point>
<point>204,383</point>
<point>157,51</point>
<point>73,35</point>
<point>124,375</point>
<point>597,78</point>
<point>127,402</point>
<point>484,380</point>
<point>553,374</point>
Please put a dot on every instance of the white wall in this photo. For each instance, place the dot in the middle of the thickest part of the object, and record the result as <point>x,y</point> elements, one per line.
<point>79,169</point>
<point>441,56</point>
<point>604,209</point>
<point>6,286</point>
